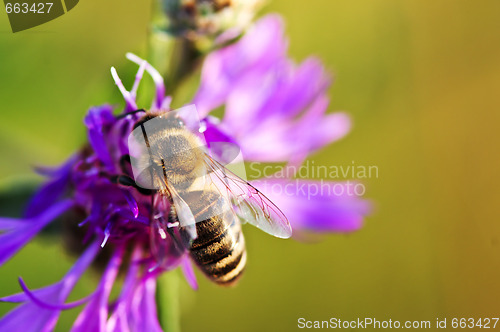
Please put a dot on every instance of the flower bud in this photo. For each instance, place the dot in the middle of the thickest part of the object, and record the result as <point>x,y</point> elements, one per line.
<point>195,19</point>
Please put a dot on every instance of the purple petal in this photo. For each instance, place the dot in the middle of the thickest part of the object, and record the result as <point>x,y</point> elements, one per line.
<point>283,92</point>
<point>51,191</point>
<point>307,82</point>
<point>96,119</point>
<point>274,109</point>
<point>135,308</point>
<point>187,270</point>
<point>248,100</point>
<point>222,147</point>
<point>7,224</point>
<point>118,321</point>
<point>14,238</point>
<point>213,132</point>
<point>143,310</point>
<point>29,316</point>
<point>138,79</point>
<point>262,47</point>
<point>280,140</point>
<point>39,293</point>
<point>317,206</point>
<point>41,303</point>
<point>332,127</point>
<point>131,202</point>
<point>95,314</point>
<point>130,103</point>
<point>157,78</point>
<point>279,115</point>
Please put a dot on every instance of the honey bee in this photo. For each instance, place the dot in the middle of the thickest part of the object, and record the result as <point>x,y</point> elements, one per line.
<point>196,200</point>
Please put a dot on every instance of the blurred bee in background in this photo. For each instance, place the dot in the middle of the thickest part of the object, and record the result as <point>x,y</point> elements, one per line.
<point>197,201</point>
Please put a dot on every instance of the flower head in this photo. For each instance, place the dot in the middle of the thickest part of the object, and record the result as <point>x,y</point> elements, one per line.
<point>209,18</point>
<point>274,111</point>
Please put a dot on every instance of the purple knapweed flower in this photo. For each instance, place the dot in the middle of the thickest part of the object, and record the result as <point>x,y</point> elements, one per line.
<point>274,111</point>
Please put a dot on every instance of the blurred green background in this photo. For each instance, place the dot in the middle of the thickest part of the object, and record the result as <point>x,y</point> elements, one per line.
<point>421,80</point>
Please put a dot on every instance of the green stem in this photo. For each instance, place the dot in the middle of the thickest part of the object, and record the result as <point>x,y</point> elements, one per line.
<point>167,299</point>
<point>175,58</point>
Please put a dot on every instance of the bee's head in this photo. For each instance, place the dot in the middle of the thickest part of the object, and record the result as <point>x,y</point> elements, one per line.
<point>161,121</point>
<point>167,149</point>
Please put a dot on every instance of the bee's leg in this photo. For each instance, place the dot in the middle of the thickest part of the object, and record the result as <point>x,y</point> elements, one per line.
<point>175,237</point>
<point>173,229</point>
<point>124,115</point>
<point>125,163</point>
<point>129,182</point>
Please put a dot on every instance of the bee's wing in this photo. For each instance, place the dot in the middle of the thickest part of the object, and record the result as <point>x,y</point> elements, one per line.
<point>248,203</point>
<point>184,213</point>
<point>166,251</point>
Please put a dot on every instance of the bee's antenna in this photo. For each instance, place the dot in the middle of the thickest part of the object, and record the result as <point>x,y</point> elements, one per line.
<point>124,115</point>
<point>127,181</point>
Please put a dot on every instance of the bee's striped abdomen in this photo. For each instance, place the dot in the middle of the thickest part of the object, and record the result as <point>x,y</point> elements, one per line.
<point>222,256</point>
<point>219,247</point>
